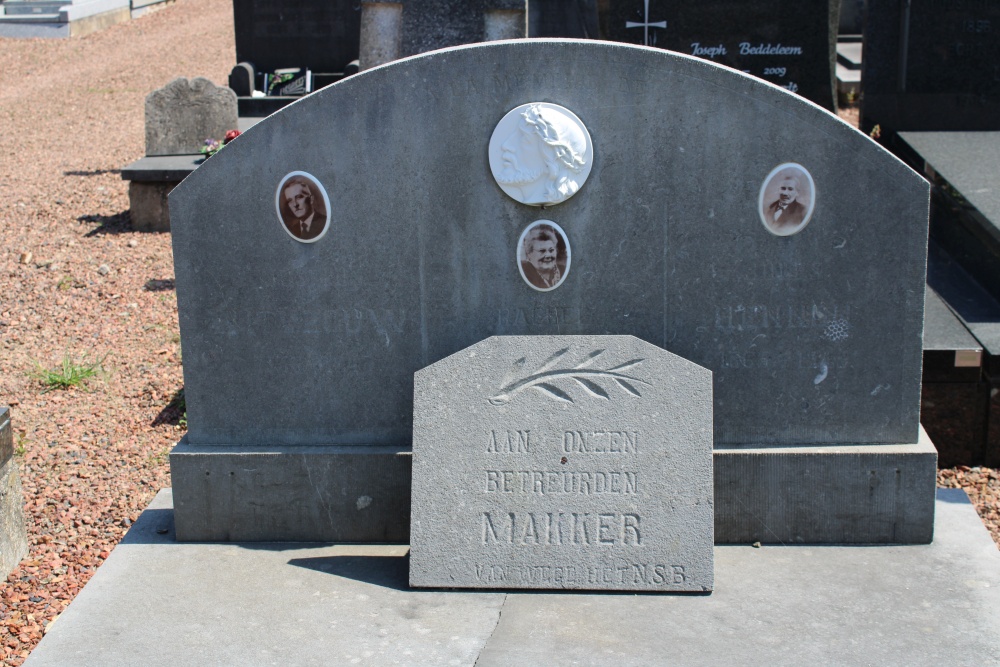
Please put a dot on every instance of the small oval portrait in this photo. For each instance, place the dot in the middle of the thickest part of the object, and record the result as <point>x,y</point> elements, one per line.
<point>787,199</point>
<point>543,255</point>
<point>303,207</point>
<point>540,154</point>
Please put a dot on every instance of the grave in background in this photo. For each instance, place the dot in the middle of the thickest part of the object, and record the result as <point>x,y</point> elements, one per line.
<point>790,44</point>
<point>931,66</point>
<point>300,389</point>
<point>67,18</point>
<point>13,533</point>
<point>964,268</point>
<point>319,35</point>
<point>179,118</point>
<point>577,462</point>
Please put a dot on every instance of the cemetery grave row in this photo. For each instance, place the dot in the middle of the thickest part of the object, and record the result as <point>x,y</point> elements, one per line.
<point>788,261</point>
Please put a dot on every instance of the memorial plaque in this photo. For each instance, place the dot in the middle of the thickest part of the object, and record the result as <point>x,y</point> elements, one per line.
<point>321,35</point>
<point>579,462</point>
<point>790,44</point>
<point>931,65</point>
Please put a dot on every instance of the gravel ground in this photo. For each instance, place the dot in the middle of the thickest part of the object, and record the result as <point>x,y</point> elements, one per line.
<point>78,283</point>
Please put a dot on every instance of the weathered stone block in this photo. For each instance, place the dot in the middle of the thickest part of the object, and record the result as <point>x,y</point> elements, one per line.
<point>578,462</point>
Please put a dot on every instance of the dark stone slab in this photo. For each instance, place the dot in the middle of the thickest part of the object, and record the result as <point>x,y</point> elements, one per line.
<point>974,305</point>
<point>965,211</point>
<point>564,18</point>
<point>162,168</point>
<point>931,65</point>
<point>852,14</point>
<point>321,35</point>
<point>790,44</point>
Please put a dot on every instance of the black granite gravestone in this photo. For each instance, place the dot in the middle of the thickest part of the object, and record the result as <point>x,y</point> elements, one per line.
<point>931,65</point>
<point>321,35</point>
<point>564,18</point>
<point>790,44</point>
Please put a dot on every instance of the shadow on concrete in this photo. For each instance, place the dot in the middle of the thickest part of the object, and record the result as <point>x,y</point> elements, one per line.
<point>386,571</point>
<point>953,496</point>
<point>154,526</point>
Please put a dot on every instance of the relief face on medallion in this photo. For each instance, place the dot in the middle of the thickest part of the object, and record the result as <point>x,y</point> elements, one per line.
<point>543,255</point>
<point>787,199</point>
<point>540,153</point>
<point>303,206</point>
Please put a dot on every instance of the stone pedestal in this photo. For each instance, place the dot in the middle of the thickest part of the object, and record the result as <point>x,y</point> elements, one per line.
<point>148,206</point>
<point>381,33</point>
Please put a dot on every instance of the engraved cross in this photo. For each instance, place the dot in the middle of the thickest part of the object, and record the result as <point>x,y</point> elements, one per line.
<point>646,25</point>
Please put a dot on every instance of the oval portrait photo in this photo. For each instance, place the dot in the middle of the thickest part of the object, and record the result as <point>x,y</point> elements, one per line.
<point>543,255</point>
<point>303,207</point>
<point>787,199</point>
<point>540,154</point>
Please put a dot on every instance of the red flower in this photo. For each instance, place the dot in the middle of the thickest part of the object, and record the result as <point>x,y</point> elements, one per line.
<point>230,135</point>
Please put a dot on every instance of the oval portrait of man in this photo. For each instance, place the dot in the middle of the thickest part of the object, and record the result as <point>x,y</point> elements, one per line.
<point>303,207</point>
<point>787,199</point>
<point>543,255</point>
<point>540,154</point>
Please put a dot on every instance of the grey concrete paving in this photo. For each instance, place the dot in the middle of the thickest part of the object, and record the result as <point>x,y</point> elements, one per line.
<point>158,602</point>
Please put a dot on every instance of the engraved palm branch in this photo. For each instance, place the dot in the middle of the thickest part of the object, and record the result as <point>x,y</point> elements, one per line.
<point>582,374</point>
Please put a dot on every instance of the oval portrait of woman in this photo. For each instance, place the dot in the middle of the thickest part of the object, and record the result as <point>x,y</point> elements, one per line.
<point>543,255</point>
<point>787,199</point>
<point>303,207</point>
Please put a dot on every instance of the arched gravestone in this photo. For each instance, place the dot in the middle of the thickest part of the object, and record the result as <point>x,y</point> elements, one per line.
<point>813,332</point>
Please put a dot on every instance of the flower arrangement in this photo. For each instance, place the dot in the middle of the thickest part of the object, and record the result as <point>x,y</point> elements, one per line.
<point>213,146</point>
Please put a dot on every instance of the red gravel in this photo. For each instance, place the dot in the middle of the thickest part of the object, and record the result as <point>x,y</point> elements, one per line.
<point>71,115</point>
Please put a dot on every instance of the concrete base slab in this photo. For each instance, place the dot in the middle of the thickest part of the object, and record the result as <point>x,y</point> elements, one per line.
<point>159,602</point>
<point>863,494</point>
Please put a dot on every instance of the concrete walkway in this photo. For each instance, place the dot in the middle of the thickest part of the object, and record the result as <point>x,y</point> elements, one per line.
<point>158,602</point>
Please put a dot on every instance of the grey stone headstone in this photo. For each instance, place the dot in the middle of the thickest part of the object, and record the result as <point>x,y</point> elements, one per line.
<point>184,113</point>
<point>813,338</point>
<point>580,462</point>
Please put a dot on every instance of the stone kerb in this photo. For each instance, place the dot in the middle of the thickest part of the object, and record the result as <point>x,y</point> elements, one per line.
<point>580,462</point>
<point>184,113</point>
<point>13,532</point>
<point>811,324</point>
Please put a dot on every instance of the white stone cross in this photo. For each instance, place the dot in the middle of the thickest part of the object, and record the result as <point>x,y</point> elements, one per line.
<point>645,25</point>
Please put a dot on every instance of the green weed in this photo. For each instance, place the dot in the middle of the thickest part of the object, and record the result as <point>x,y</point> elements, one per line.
<point>68,374</point>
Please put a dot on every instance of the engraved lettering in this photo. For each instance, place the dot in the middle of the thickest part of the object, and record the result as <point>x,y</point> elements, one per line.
<point>709,51</point>
<point>558,528</point>
<point>600,442</point>
<point>509,442</point>
<point>748,49</point>
<point>554,482</point>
